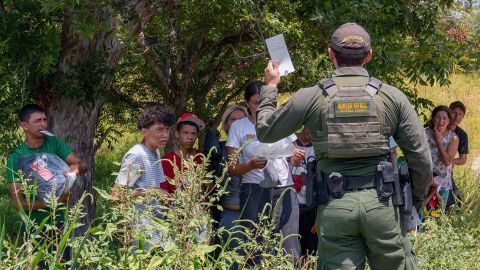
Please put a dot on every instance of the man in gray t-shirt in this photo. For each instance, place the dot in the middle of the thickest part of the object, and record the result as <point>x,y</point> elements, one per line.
<point>141,170</point>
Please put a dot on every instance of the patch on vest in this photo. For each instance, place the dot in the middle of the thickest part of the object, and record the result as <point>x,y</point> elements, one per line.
<point>352,107</point>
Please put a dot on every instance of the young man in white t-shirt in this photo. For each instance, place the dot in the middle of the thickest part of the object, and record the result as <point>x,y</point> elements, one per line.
<point>141,171</point>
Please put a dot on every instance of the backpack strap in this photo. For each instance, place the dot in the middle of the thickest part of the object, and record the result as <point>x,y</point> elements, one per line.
<point>373,86</point>
<point>328,85</point>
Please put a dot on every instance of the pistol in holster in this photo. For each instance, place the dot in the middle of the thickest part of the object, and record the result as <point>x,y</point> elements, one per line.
<point>395,183</point>
<point>316,186</point>
<point>388,183</point>
<point>406,182</point>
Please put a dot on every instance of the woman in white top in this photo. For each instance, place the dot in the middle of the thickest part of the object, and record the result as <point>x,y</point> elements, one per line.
<point>253,193</point>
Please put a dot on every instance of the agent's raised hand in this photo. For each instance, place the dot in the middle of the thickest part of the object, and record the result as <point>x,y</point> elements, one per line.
<point>272,73</point>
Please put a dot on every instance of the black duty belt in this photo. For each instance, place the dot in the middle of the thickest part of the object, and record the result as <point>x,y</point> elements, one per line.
<point>359,182</point>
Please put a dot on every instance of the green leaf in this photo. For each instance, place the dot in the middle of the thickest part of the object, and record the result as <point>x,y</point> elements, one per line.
<point>203,250</point>
<point>155,262</point>
<point>104,194</point>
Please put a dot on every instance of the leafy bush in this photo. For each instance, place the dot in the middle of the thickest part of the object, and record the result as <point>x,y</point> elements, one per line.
<point>187,241</point>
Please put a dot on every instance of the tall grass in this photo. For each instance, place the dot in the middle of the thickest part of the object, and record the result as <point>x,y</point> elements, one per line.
<point>453,242</point>
<point>466,88</point>
<point>7,212</point>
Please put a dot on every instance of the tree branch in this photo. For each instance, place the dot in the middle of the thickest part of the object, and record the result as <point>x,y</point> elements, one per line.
<point>216,71</point>
<point>243,35</point>
<point>173,52</point>
<point>149,57</point>
<point>99,143</point>
<point>216,120</point>
<point>118,96</point>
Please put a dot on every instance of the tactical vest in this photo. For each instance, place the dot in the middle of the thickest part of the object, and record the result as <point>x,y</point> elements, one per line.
<point>353,121</point>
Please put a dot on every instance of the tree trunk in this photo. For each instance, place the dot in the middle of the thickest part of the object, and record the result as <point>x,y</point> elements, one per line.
<point>76,125</point>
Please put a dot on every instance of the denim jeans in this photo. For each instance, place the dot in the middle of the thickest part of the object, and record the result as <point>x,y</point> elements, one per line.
<point>228,217</point>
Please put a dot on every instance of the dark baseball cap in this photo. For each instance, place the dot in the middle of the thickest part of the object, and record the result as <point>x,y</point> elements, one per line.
<point>351,38</point>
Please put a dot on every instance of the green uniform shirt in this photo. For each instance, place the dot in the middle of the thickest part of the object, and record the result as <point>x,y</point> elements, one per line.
<point>51,145</point>
<point>305,108</point>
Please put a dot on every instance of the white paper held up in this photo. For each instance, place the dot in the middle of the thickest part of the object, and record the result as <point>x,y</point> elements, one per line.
<point>277,48</point>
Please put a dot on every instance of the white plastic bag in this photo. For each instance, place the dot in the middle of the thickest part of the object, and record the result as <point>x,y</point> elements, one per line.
<point>47,170</point>
<point>281,149</point>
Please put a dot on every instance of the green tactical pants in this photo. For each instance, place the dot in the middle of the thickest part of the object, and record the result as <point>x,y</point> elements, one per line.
<point>360,226</point>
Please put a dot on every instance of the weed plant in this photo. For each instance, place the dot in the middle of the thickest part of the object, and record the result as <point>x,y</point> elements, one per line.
<point>115,242</point>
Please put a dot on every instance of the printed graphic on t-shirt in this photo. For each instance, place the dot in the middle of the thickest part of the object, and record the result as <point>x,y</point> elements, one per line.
<point>39,166</point>
<point>251,137</point>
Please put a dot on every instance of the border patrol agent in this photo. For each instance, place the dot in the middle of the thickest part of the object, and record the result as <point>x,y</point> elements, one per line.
<point>351,116</point>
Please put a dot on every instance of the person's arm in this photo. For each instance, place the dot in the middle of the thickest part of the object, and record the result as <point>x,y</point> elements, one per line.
<point>461,160</point>
<point>446,155</point>
<point>18,199</point>
<point>462,149</point>
<point>238,169</point>
<point>412,139</point>
<point>76,164</point>
<point>275,124</point>
<point>298,156</point>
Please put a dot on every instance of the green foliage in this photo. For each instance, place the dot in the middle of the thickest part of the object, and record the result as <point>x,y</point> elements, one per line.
<point>27,53</point>
<point>447,247</point>
<point>206,56</point>
<point>8,214</point>
<point>185,244</point>
<point>410,45</point>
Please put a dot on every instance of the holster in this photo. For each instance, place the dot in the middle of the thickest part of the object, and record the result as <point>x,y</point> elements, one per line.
<point>316,187</point>
<point>336,185</point>
<point>406,189</point>
<point>310,185</point>
<point>385,180</point>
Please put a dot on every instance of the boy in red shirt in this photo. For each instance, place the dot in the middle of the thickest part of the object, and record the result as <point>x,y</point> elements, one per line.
<point>188,127</point>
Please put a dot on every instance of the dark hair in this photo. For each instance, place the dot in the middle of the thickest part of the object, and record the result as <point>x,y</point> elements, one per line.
<point>440,108</point>
<point>187,123</point>
<point>27,110</point>
<point>252,89</point>
<point>458,104</point>
<point>349,60</point>
<point>155,114</point>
